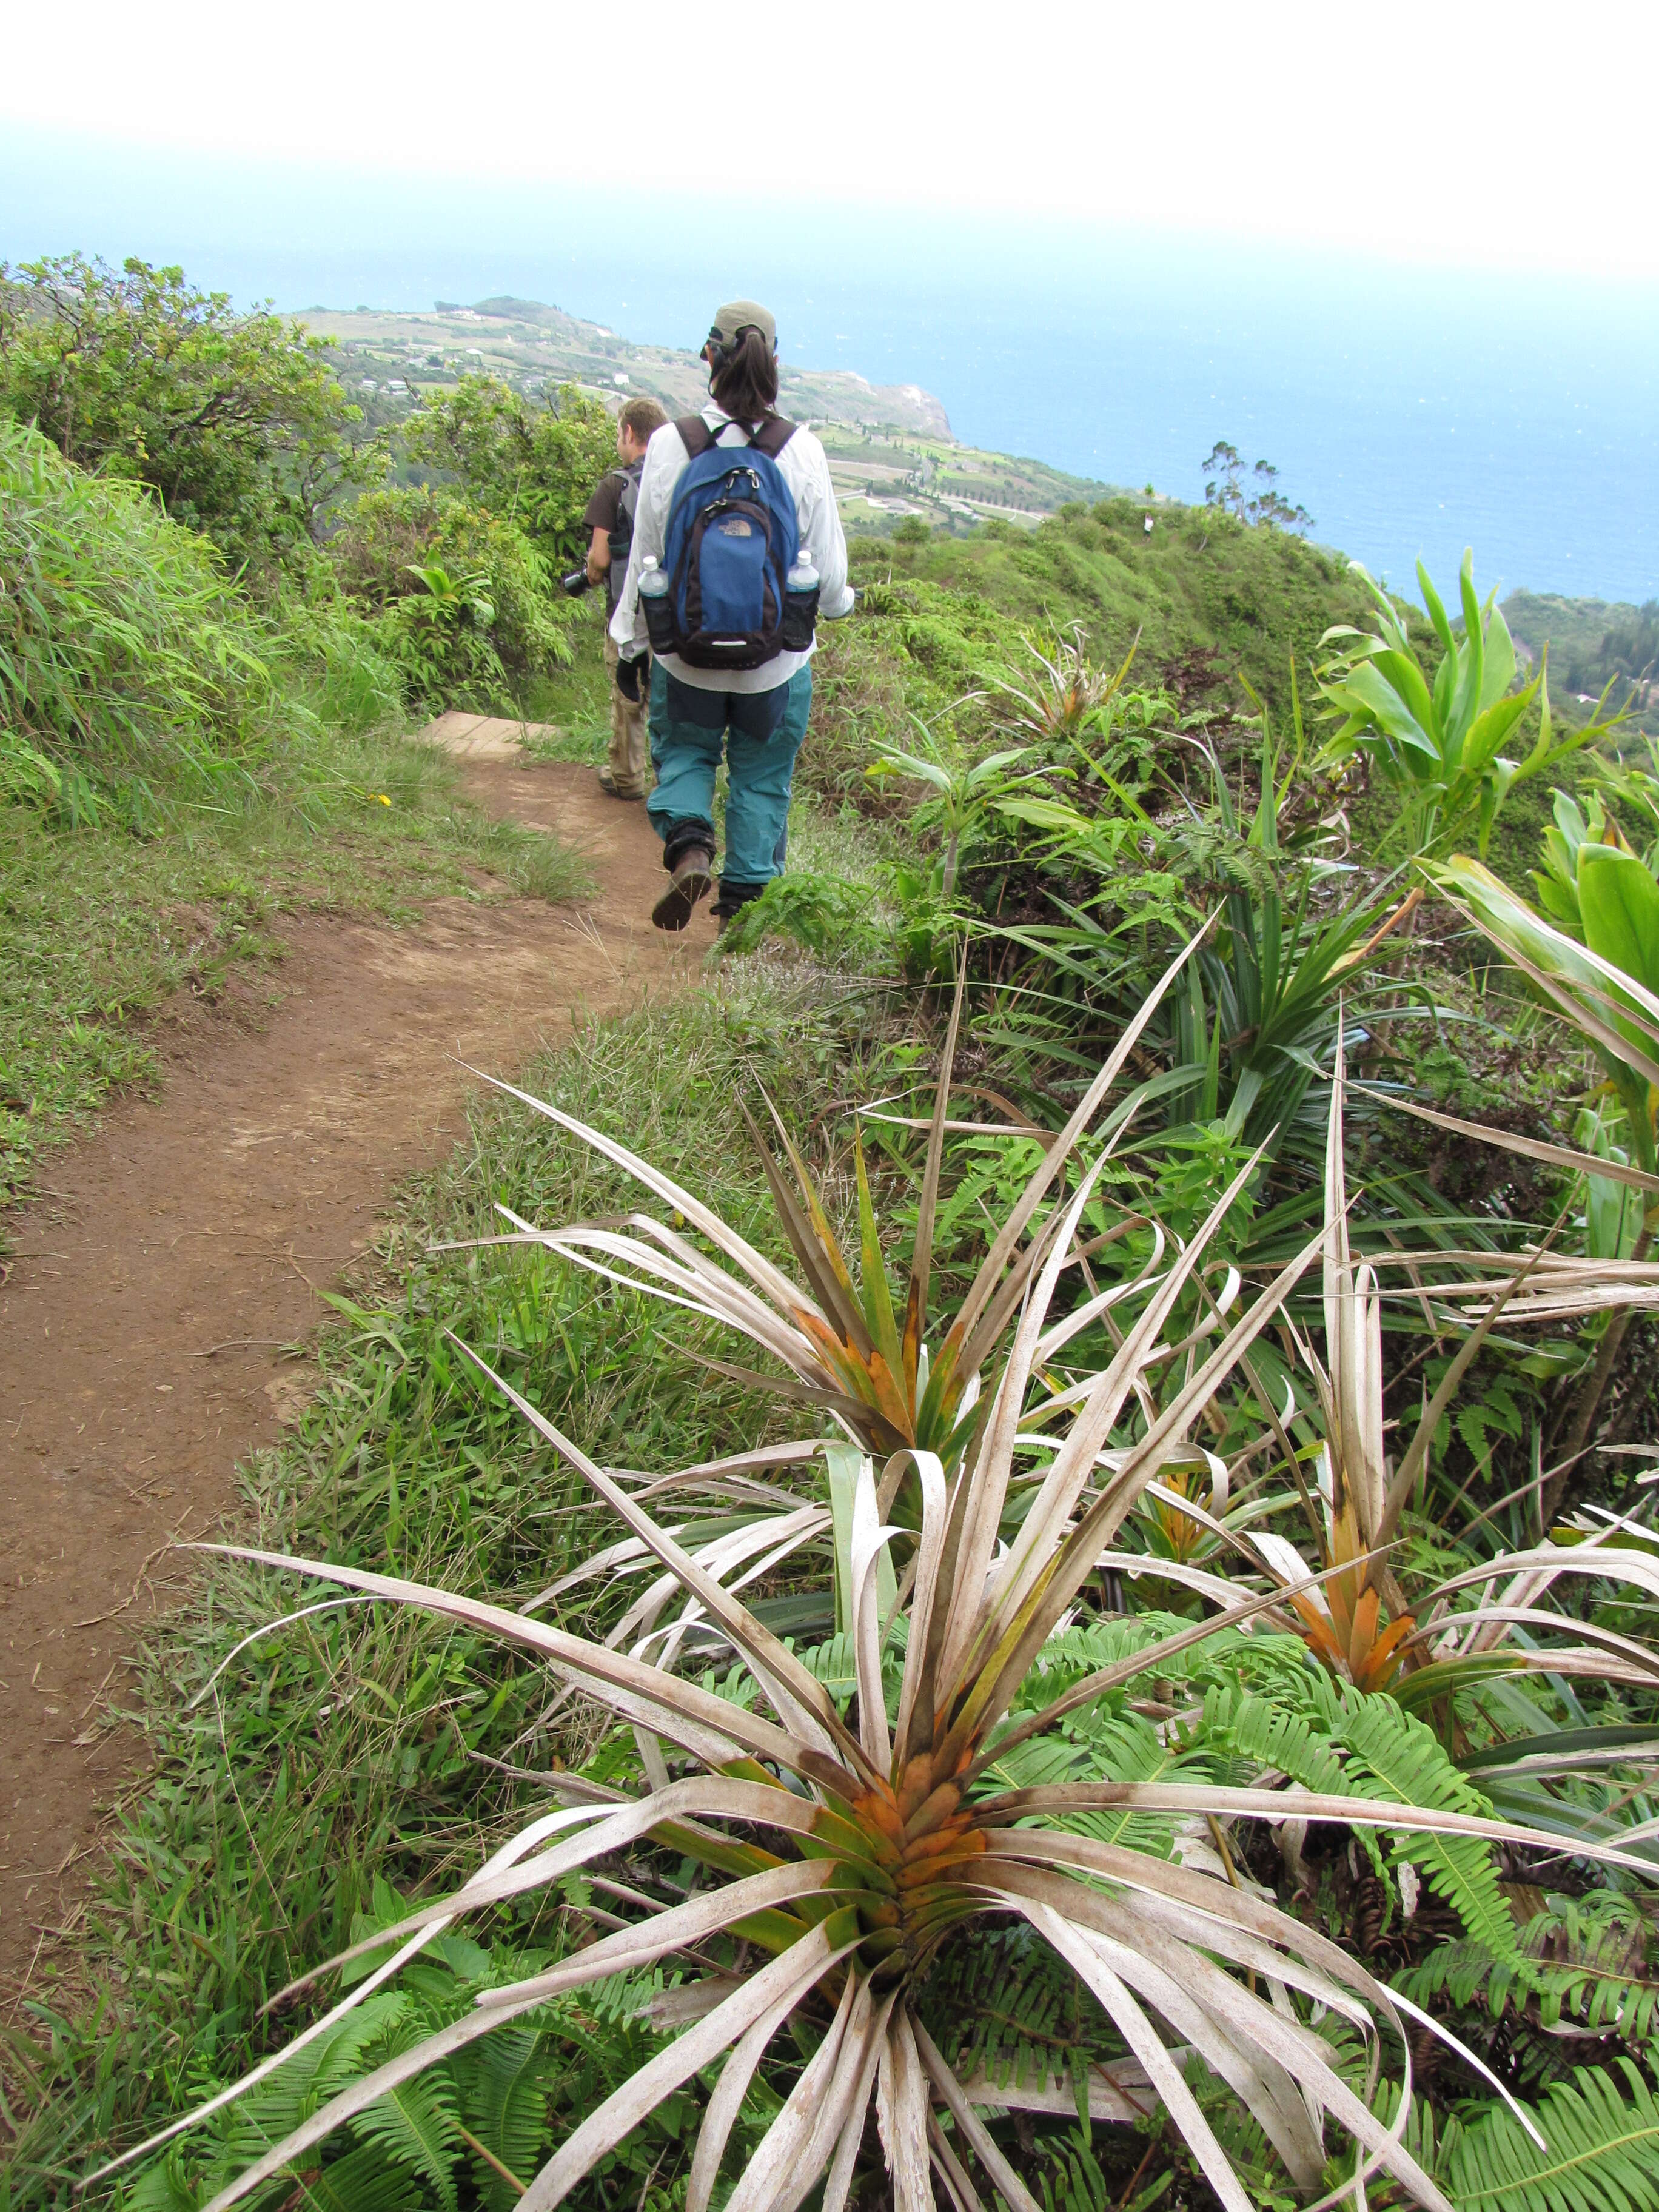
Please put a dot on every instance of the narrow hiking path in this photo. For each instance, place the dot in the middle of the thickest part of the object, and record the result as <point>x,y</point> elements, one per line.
<point>174,1253</point>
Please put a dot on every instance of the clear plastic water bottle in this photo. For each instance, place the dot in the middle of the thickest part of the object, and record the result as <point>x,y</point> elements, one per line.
<point>800,605</point>
<point>654,602</point>
<point>803,577</point>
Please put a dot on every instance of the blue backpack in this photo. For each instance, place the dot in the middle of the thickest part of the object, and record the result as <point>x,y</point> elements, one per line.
<point>730,543</point>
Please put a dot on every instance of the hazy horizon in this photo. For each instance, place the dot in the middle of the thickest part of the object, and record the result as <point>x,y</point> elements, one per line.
<point>1412,409</point>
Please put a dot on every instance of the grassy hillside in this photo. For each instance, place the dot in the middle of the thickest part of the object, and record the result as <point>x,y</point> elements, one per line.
<point>891,451</point>
<point>178,768</point>
<point>884,476</point>
<point>1211,599</point>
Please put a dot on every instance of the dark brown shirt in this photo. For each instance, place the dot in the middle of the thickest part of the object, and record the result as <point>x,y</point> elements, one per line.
<point>603,512</point>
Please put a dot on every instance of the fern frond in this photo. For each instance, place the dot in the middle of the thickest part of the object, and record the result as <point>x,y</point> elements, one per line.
<point>1603,2153</point>
<point>1002,2001</point>
<point>1406,1761</point>
<point>307,2082</point>
<point>506,2104</point>
<point>1288,1741</point>
<point>415,2125</point>
<point>365,2180</point>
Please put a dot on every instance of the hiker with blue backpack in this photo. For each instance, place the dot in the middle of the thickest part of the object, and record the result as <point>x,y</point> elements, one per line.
<point>738,548</point>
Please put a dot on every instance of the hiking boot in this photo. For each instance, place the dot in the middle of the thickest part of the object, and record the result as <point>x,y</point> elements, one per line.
<point>693,874</point>
<point>609,785</point>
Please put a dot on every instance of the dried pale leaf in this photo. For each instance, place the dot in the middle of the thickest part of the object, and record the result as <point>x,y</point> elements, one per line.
<point>847,2098</point>
<point>902,2116</point>
<point>795,1971</point>
<point>754,1263</point>
<point>838,2182</point>
<point>786,2148</point>
<point>949,2167</point>
<point>800,1700</point>
<point>1142,2039</point>
<point>978,2135</point>
<point>1202,1800</point>
<point>720,2115</point>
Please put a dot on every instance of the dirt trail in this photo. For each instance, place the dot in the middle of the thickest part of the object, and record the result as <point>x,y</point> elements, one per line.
<point>185,1243</point>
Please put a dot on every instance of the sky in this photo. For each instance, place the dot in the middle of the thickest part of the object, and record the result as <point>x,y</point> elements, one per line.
<point>1408,256</point>
<point>1480,136</point>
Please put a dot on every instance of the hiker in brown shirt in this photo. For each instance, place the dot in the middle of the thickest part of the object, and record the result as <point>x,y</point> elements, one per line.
<point>609,521</point>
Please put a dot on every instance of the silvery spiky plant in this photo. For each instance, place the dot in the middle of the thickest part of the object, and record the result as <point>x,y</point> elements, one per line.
<point>849,1847</point>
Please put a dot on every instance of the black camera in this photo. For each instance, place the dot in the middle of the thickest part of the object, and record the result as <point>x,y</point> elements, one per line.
<point>576,583</point>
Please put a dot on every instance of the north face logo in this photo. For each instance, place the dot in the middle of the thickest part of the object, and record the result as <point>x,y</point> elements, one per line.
<point>735,526</point>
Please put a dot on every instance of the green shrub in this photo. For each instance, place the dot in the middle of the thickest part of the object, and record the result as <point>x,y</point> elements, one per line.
<point>536,463</point>
<point>128,660</point>
<point>231,419</point>
<point>466,604</point>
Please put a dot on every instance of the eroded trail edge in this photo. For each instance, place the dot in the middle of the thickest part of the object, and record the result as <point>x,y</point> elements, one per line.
<point>175,1253</point>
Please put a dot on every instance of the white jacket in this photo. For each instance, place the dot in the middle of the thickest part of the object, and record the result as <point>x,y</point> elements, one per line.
<point>817,520</point>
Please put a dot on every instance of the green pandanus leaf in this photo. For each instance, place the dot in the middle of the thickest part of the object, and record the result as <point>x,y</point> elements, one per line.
<point>958,1443</point>
<point>708,1849</point>
<point>775,1931</point>
<point>877,1301</point>
<point>944,1393</point>
<point>829,1243</point>
<point>912,1326</point>
<point>814,1245</point>
<point>832,1834</point>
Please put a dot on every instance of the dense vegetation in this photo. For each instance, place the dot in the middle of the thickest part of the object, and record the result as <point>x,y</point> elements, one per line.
<point>210,647</point>
<point>1174,1643</point>
<point>1593,644</point>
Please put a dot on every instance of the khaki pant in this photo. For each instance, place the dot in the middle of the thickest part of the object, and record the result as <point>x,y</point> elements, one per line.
<point>626,757</point>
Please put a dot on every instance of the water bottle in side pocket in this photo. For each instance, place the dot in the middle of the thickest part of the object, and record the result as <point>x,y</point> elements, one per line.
<point>800,604</point>
<point>657,605</point>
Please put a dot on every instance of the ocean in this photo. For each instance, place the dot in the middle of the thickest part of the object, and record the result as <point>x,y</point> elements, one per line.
<point>1413,408</point>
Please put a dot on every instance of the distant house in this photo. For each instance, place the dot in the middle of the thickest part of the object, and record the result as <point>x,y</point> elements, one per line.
<point>620,377</point>
<point>397,385</point>
<point>366,383</point>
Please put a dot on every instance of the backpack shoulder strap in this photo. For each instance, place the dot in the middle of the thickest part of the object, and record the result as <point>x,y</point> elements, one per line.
<point>773,436</point>
<point>694,434</point>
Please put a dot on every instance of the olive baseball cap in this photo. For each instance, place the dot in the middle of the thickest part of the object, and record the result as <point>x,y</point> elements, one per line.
<point>739,315</point>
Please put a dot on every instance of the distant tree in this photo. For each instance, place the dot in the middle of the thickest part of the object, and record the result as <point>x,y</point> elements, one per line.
<point>1631,647</point>
<point>1267,506</point>
<point>233,420</point>
<point>535,463</point>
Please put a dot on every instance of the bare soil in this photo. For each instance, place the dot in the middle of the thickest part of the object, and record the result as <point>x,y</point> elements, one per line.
<point>182,1247</point>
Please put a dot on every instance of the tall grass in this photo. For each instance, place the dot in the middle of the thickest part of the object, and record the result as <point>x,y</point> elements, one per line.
<point>129,664</point>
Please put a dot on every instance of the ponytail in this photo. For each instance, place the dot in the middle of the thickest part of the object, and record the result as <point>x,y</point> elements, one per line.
<point>745,383</point>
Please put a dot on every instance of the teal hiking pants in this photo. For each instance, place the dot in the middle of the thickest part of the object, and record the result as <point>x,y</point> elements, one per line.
<point>760,732</point>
